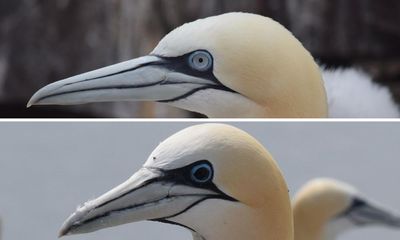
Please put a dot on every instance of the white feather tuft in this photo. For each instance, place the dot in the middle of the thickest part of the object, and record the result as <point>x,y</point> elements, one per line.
<point>352,94</point>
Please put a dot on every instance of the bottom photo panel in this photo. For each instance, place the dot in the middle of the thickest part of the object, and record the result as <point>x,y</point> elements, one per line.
<point>202,181</point>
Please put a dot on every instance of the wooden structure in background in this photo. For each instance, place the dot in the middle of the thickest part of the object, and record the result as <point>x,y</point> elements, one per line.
<point>44,41</point>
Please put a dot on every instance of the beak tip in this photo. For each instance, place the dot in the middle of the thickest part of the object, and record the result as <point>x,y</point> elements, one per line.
<point>65,228</point>
<point>62,233</point>
<point>33,100</point>
<point>41,95</point>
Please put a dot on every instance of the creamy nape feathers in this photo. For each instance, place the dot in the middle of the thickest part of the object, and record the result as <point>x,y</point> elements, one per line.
<point>325,208</point>
<point>257,58</point>
<point>213,179</point>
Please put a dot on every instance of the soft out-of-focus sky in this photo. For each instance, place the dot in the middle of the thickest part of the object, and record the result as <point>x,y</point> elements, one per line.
<point>48,169</point>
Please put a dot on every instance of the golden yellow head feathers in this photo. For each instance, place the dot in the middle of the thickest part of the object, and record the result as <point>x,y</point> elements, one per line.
<point>325,208</point>
<point>257,57</point>
<point>318,202</point>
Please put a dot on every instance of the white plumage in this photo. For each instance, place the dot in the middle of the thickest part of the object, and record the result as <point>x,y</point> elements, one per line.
<point>352,93</point>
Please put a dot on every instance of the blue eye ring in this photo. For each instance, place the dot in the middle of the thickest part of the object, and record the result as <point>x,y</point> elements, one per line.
<point>201,173</point>
<point>201,61</point>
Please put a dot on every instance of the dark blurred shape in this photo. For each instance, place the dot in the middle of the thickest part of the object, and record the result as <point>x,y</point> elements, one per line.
<point>44,41</point>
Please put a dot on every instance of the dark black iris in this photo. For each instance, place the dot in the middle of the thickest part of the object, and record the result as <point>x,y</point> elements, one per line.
<point>201,173</point>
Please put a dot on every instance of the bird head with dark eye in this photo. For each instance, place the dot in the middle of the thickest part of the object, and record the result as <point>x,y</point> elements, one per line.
<point>209,178</point>
<point>201,173</point>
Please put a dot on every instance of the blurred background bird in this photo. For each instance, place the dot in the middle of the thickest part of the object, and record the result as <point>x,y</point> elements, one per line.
<point>324,209</point>
<point>361,34</point>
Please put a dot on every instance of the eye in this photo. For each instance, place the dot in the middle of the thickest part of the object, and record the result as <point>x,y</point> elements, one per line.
<point>200,61</point>
<point>201,173</point>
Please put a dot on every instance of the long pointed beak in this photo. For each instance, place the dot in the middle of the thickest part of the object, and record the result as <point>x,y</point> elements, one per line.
<point>148,78</point>
<point>369,214</point>
<point>144,196</point>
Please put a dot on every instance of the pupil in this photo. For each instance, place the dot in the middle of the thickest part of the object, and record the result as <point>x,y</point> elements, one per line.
<point>201,173</point>
<point>201,60</point>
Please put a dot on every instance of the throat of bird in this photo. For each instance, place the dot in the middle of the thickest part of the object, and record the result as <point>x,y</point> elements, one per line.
<point>311,227</point>
<point>235,221</point>
<point>221,104</point>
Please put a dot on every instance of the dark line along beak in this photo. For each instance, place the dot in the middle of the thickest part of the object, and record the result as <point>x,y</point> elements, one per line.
<point>147,195</point>
<point>363,213</point>
<point>148,78</point>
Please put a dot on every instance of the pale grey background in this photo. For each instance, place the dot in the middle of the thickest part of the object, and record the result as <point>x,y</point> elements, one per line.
<point>47,169</point>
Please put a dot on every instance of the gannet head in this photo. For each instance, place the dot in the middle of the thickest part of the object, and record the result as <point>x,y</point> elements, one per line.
<point>325,208</point>
<point>231,65</point>
<point>212,179</point>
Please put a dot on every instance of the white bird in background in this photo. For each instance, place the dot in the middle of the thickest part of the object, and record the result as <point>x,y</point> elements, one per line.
<point>213,179</point>
<point>325,208</point>
<point>231,65</point>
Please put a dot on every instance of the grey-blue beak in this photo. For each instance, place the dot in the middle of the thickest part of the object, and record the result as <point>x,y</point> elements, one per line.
<point>148,78</point>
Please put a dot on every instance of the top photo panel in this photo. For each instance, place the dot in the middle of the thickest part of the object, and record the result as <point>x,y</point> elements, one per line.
<point>197,59</point>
